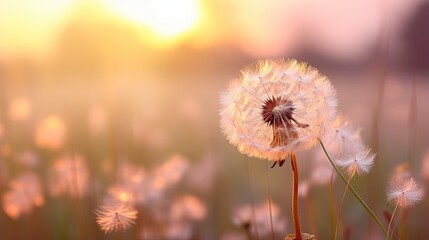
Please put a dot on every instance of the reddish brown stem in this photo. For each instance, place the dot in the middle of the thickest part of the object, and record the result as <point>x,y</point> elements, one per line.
<point>295,216</point>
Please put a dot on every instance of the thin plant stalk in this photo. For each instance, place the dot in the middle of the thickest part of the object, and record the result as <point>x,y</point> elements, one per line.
<point>402,223</point>
<point>310,216</point>
<point>390,222</point>
<point>357,196</point>
<point>269,201</point>
<point>331,205</point>
<point>246,160</point>
<point>341,208</point>
<point>295,216</point>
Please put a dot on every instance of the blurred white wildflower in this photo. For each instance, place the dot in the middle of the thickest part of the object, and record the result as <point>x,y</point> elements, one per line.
<point>50,133</point>
<point>188,207</point>
<point>68,175</point>
<point>138,186</point>
<point>19,109</point>
<point>131,184</point>
<point>115,215</point>
<point>404,192</point>
<point>359,162</point>
<point>257,220</point>
<point>25,192</point>
<point>202,176</point>
<point>169,173</point>
<point>277,107</point>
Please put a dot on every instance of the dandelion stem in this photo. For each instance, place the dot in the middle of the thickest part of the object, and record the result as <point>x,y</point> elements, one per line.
<point>358,197</point>
<point>295,215</point>
<point>390,222</point>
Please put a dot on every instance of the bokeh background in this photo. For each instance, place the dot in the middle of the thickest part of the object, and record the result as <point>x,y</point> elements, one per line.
<point>134,84</point>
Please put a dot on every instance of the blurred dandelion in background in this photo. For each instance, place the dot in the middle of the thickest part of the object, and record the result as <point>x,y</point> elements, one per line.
<point>68,175</point>
<point>24,194</point>
<point>50,133</point>
<point>115,216</point>
<point>256,219</point>
<point>404,192</point>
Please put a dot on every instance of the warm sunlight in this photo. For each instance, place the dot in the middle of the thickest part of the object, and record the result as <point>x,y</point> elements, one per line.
<point>166,18</point>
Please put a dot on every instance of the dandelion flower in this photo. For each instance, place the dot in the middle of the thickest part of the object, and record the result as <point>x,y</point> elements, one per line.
<point>359,162</point>
<point>113,215</point>
<point>404,192</point>
<point>277,107</point>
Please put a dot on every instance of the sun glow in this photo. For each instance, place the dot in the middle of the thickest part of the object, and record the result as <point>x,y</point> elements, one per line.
<point>165,18</point>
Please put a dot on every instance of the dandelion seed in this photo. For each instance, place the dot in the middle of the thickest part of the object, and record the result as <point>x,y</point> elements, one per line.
<point>359,162</point>
<point>404,192</point>
<point>113,216</point>
<point>277,107</point>
<point>342,138</point>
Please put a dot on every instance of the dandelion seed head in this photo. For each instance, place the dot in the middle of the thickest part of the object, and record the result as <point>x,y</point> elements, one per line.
<point>277,107</point>
<point>114,215</point>
<point>359,162</point>
<point>404,192</point>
